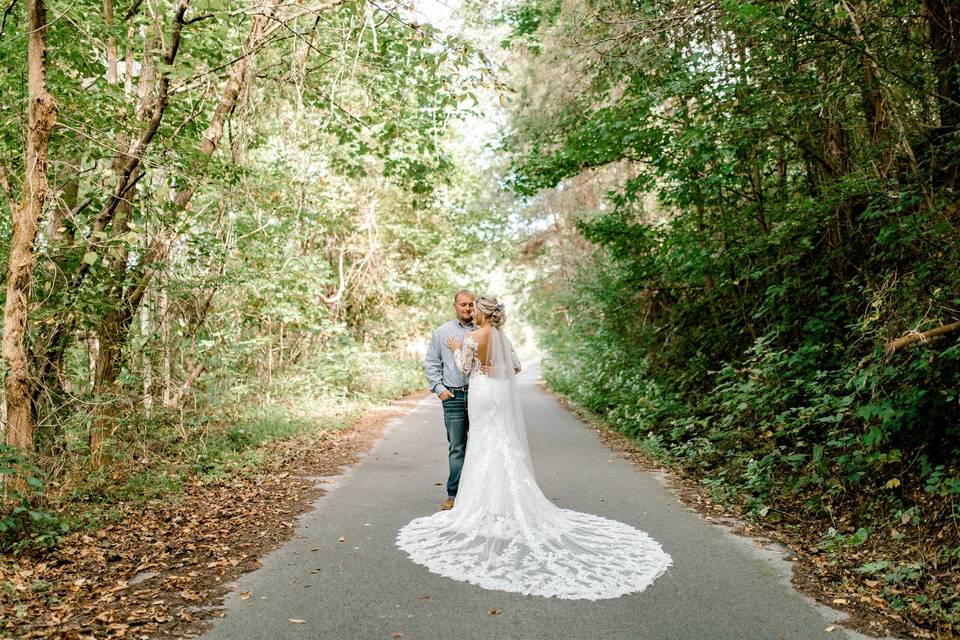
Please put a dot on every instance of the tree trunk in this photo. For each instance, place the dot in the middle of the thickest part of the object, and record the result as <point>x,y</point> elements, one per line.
<point>113,327</point>
<point>112,58</point>
<point>60,236</point>
<point>943,18</point>
<point>42,115</point>
<point>111,332</point>
<point>166,367</point>
<point>147,372</point>
<point>105,371</point>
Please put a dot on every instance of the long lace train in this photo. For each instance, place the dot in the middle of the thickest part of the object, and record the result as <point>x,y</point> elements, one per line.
<point>505,534</point>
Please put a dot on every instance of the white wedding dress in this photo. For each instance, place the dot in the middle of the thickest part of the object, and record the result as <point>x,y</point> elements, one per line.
<point>503,533</point>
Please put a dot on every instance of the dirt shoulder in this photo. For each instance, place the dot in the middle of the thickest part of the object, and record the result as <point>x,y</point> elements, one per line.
<point>163,567</point>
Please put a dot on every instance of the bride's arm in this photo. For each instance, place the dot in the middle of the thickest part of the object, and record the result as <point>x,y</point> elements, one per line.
<point>463,353</point>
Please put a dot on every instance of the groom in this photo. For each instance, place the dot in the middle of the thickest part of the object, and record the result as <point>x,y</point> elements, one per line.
<point>450,385</point>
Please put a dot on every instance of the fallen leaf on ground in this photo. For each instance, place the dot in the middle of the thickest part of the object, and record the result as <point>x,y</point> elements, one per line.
<point>296,620</point>
<point>194,541</point>
<point>493,612</point>
<point>244,595</point>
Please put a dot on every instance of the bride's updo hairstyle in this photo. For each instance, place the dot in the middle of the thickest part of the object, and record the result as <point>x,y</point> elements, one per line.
<point>492,310</point>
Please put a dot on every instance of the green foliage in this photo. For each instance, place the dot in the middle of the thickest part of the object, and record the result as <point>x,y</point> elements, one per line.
<point>772,224</point>
<point>22,522</point>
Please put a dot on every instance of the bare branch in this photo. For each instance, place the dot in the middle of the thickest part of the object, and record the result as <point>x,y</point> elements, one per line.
<point>205,16</point>
<point>6,13</point>
<point>334,299</point>
<point>914,337</point>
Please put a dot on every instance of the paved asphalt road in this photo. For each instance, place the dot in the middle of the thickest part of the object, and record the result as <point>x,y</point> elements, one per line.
<point>721,586</point>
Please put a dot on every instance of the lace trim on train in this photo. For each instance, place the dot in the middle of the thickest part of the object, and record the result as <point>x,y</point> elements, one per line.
<point>593,558</point>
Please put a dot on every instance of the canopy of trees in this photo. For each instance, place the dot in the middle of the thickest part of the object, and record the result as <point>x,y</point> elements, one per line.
<point>202,194</point>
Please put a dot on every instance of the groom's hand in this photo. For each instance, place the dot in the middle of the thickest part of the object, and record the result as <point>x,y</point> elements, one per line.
<point>446,393</point>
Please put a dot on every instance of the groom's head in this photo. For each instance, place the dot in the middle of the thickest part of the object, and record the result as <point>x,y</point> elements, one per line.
<point>463,305</point>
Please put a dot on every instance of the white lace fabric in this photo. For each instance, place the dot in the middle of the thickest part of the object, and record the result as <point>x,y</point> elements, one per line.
<point>468,361</point>
<point>504,533</point>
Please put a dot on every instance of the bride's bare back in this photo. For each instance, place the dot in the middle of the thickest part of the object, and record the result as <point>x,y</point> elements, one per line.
<point>482,338</point>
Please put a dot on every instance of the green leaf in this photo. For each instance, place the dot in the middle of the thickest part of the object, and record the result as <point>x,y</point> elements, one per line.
<point>873,567</point>
<point>859,537</point>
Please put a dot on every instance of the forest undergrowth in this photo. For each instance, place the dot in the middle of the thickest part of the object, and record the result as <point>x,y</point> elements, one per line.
<point>169,450</point>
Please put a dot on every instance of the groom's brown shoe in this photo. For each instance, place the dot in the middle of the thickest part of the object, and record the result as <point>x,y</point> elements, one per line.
<point>447,504</point>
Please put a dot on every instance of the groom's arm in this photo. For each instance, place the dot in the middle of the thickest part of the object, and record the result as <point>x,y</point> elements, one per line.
<point>433,366</point>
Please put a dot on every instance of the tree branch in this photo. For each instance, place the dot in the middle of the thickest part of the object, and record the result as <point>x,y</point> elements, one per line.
<point>914,336</point>
<point>132,11</point>
<point>129,175</point>
<point>334,299</point>
<point>6,14</point>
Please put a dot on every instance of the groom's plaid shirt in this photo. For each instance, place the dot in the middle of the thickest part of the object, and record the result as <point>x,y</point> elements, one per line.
<point>439,365</point>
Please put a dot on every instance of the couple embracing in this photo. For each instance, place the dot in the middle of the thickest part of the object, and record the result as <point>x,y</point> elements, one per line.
<point>496,529</point>
<point>448,379</point>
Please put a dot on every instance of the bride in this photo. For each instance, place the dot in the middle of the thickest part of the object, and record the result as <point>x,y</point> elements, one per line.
<point>503,533</point>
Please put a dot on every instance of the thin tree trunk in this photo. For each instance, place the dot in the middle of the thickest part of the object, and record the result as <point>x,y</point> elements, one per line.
<point>20,418</point>
<point>165,338</point>
<point>147,372</point>
<point>112,58</point>
<point>60,237</point>
<point>269,346</point>
<point>93,348</point>
<point>112,331</point>
<point>58,233</point>
<point>113,327</point>
<point>943,18</point>
<point>195,370</point>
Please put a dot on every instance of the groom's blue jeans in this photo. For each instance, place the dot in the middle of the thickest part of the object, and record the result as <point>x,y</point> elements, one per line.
<point>457,423</point>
